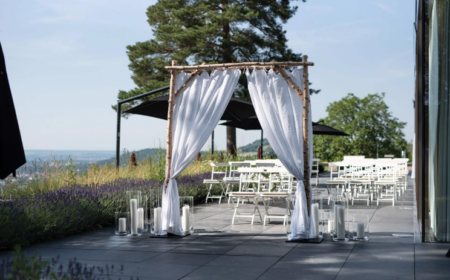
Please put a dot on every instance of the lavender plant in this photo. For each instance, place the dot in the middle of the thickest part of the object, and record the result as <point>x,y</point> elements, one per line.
<point>33,217</point>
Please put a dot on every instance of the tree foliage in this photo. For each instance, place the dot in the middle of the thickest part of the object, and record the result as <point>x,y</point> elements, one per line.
<point>212,31</point>
<point>372,128</point>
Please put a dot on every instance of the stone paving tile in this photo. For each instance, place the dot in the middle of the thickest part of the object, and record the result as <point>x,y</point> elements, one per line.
<point>300,273</point>
<point>146,247</point>
<point>225,272</point>
<point>202,249</point>
<point>124,256</point>
<point>430,261</point>
<point>91,245</point>
<point>49,253</point>
<point>185,259</point>
<point>379,261</point>
<point>211,241</point>
<point>159,271</point>
<point>244,261</point>
<point>259,250</point>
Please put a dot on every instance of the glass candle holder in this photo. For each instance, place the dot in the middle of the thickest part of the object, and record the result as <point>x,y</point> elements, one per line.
<point>144,219</point>
<point>155,212</point>
<point>360,227</point>
<point>339,209</point>
<point>290,205</point>
<point>328,222</point>
<point>133,199</point>
<point>121,223</point>
<point>187,214</point>
<point>317,213</point>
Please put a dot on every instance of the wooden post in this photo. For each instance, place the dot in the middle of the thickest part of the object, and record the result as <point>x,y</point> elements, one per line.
<point>306,132</point>
<point>173,77</point>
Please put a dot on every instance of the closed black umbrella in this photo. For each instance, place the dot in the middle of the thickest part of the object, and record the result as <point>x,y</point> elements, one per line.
<point>12,155</point>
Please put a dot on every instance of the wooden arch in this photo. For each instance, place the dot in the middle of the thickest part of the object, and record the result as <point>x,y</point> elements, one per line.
<point>196,69</point>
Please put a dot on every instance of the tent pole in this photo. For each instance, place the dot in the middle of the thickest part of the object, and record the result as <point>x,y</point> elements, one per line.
<point>172,92</point>
<point>212,145</point>
<point>262,149</point>
<point>119,111</point>
<point>306,131</point>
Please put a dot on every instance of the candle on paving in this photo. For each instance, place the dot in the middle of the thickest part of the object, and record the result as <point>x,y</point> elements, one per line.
<point>122,225</point>
<point>140,214</point>
<point>330,225</point>
<point>335,218</point>
<point>185,225</point>
<point>340,227</point>
<point>315,218</point>
<point>133,214</point>
<point>157,219</point>
<point>360,231</point>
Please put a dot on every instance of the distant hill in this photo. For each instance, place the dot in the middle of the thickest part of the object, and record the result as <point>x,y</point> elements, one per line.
<point>77,155</point>
<point>154,152</point>
<point>253,147</point>
<point>140,155</point>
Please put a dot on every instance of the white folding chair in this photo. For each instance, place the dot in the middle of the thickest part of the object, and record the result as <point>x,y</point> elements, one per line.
<point>215,181</point>
<point>266,198</point>
<point>236,197</point>
<point>315,169</point>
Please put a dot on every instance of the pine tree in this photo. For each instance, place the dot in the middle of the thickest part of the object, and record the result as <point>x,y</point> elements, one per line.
<point>212,31</point>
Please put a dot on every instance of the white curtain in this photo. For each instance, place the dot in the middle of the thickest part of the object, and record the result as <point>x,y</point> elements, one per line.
<point>433,108</point>
<point>280,111</point>
<point>196,112</point>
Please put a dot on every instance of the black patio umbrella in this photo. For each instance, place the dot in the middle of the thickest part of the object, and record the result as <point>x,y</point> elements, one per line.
<point>12,155</point>
<point>237,110</point>
<point>252,123</point>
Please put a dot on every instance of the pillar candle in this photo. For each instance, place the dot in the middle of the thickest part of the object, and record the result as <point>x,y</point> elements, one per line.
<point>335,217</point>
<point>157,219</point>
<point>340,227</point>
<point>330,225</point>
<point>122,225</point>
<point>185,220</point>
<point>140,215</point>
<point>360,231</point>
<point>315,217</point>
<point>133,214</point>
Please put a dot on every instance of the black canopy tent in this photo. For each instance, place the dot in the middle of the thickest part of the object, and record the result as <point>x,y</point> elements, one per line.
<point>12,155</point>
<point>237,110</point>
<point>252,123</point>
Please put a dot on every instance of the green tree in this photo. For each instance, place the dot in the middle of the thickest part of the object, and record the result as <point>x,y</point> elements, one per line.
<point>372,128</point>
<point>212,31</point>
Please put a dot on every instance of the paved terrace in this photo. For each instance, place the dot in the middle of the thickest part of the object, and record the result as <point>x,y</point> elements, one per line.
<point>244,251</point>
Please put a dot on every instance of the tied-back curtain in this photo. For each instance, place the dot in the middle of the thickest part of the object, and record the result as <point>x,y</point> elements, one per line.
<point>439,120</point>
<point>196,112</point>
<point>280,111</point>
<point>433,109</point>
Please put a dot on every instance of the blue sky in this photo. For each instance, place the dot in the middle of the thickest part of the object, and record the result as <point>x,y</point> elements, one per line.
<point>66,62</point>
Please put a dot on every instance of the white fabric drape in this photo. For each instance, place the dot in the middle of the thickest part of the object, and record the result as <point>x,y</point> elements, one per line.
<point>280,111</point>
<point>196,112</point>
<point>433,109</point>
